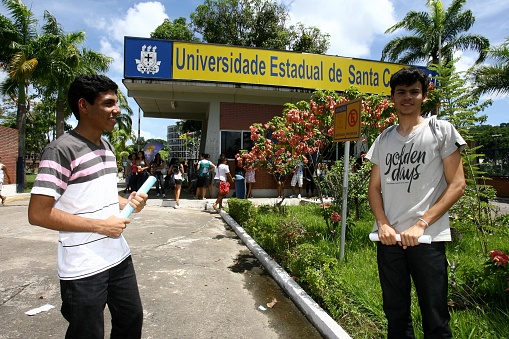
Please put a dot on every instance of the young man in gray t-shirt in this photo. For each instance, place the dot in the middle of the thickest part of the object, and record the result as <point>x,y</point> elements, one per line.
<point>417,176</point>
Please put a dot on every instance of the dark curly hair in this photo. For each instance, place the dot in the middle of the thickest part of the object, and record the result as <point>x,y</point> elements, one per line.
<point>407,76</point>
<point>88,87</point>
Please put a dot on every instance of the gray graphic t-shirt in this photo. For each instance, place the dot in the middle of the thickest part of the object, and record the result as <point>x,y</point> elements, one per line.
<point>412,173</point>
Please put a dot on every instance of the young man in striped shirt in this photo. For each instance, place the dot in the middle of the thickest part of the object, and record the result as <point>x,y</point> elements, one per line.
<point>75,193</point>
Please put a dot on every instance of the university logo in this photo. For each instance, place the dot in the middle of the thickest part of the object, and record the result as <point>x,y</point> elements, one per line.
<point>148,60</point>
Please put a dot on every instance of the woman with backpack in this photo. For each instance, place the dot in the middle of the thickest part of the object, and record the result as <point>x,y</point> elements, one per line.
<point>177,170</point>
<point>203,169</point>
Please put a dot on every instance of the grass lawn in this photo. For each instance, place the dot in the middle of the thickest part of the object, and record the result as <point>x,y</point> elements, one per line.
<point>30,178</point>
<point>349,290</point>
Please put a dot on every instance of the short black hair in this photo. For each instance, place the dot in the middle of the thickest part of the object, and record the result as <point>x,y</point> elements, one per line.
<point>407,76</point>
<point>88,87</point>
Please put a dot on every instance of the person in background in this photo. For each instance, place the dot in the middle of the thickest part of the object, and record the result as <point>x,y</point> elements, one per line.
<point>177,169</point>
<point>360,161</point>
<point>224,176</point>
<point>280,181</point>
<point>297,180</point>
<point>143,169</point>
<point>133,167</point>
<point>321,171</point>
<point>192,177</point>
<point>417,176</point>
<point>211,177</point>
<point>75,193</point>
<point>185,176</point>
<point>250,180</point>
<point>127,173</point>
<point>310,175</point>
<point>203,169</point>
<point>157,167</point>
<point>3,173</point>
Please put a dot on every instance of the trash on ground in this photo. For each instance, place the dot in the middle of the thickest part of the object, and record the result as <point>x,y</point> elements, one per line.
<point>272,303</point>
<point>43,308</point>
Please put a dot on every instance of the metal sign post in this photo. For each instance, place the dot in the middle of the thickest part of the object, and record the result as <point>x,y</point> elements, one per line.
<point>347,127</point>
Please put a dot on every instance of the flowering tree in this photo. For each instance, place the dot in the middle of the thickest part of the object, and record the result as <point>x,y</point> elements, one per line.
<point>304,134</point>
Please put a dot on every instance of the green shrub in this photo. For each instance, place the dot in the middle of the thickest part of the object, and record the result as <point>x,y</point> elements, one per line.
<point>242,210</point>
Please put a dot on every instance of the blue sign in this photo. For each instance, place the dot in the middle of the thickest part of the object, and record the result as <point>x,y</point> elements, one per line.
<point>147,58</point>
<point>151,149</point>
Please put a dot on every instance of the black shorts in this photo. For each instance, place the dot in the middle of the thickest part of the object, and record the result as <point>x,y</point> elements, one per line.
<point>203,181</point>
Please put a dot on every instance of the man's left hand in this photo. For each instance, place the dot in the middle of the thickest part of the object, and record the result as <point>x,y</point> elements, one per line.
<point>410,236</point>
<point>137,201</point>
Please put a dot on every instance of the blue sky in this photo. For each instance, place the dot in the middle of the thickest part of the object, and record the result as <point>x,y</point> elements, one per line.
<point>356,29</point>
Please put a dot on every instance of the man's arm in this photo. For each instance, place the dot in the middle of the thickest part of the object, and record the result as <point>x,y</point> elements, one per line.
<point>455,178</point>
<point>386,232</point>
<point>41,212</point>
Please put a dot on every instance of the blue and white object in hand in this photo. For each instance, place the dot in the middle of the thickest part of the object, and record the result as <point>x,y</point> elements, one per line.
<point>128,209</point>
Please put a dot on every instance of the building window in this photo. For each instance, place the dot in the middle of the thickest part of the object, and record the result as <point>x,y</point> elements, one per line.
<point>233,141</point>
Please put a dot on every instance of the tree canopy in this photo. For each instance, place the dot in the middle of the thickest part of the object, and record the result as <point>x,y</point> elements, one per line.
<point>255,23</point>
<point>494,78</point>
<point>176,30</point>
<point>435,35</point>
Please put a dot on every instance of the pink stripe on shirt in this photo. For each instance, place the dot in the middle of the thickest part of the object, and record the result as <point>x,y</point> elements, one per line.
<point>56,166</point>
<point>53,179</point>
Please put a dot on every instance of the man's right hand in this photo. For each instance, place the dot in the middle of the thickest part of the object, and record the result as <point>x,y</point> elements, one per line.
<point>387,234</point>
<point>113,226</point>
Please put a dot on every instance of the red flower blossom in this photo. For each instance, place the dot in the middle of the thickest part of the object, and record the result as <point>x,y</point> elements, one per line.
<point>335,217</point>
<point>499,257</point>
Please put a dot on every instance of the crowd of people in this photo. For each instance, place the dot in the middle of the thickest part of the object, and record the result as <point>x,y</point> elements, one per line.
<point>203,175</point>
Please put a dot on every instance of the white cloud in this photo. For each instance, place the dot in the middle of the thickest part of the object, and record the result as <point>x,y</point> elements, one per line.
<point>352,25</point>
<point>118,61</point>
<point>139,20</point>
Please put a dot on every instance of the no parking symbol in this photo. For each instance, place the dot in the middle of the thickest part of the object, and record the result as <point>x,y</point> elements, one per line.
<point>347,121</point>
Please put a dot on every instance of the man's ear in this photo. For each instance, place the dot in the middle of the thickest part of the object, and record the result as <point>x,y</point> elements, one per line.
<point>82,103</point>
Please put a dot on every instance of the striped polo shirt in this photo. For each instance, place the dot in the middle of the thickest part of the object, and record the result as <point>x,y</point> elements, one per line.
<point>82,177</point>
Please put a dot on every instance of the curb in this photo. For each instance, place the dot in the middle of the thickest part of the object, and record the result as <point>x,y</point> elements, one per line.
<point>327,326</point>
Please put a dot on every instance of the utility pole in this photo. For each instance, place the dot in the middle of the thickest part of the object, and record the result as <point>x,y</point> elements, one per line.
<point>139,121</point>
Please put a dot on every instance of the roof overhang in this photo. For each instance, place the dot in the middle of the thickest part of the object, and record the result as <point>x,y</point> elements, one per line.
<point>177,99</point>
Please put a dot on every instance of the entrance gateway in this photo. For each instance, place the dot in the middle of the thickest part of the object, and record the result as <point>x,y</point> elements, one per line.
<point>229,88</point>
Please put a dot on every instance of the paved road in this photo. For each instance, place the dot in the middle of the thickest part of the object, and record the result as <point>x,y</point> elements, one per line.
<point>196,278</point>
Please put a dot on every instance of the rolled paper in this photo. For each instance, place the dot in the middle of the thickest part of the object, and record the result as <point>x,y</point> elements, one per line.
<point>423,239</point>
<point>128,209</point>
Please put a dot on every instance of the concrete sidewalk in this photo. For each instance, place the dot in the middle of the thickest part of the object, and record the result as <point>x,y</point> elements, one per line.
<point>197,279</point>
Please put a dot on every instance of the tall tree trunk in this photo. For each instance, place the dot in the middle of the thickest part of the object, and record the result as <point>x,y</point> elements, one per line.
<point>21,120</point>
<point>60,117</point>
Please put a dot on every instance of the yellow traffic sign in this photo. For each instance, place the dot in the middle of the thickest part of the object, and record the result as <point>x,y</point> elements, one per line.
<point>347,121</point>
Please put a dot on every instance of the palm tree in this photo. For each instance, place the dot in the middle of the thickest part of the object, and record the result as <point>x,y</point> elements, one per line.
<point>64,63</point>
<point>437,34</point>
<point>21,48</point>
<point>494,78</point>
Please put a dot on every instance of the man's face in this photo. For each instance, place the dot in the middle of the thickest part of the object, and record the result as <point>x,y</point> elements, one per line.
<point>408,99</point>
<point>102,114</point>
